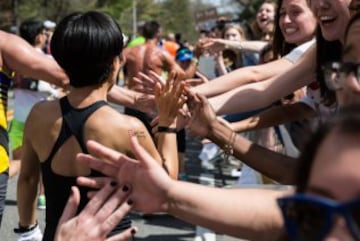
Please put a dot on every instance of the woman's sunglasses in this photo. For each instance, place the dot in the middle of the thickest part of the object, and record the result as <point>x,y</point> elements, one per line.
<point>336,72</point>
<point>311,218</point>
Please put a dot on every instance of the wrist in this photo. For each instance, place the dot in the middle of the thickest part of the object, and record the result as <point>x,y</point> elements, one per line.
<point>218,132</point>
<point>173,197</point>
<point>171,123</point>
<point>166,194</point>
<point>166,129</point>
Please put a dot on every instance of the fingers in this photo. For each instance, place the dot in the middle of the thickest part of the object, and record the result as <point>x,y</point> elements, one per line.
<point>147,79</point>
<point>137,80</point>
<point>99,165</point>
<point>93,182</point>
<point>194,82</point>
<point>115,209</point>
<point>193,100</point>
<point>202,77</point>
<point>145,84</point>
<point>158,90</point>
<point>201,98</point>
<point>119,197</point>
<point>103,151</point>
<point>93,206</point>
<point>172,79</point>
<point>71,206</point>
<point>123,236</point>
<point>158,78</point>
<point>179,94</point>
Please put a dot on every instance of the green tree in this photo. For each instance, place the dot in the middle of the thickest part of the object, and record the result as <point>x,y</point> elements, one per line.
<point>145,10</point>
<point>6,14</point>
<point>177,17</point>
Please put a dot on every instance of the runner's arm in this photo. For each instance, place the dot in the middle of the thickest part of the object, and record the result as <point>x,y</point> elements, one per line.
<point>21,57</point>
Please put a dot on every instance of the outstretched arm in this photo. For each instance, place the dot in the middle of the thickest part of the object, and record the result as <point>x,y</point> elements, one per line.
<point>129,98</point>
<point>17,55</point>
<point>204,123</point>
<point>169,99</point>
<point>244,213</point>
<point>218,43</point>
<point>243,76</point>
<point>258,95</point>
<point>274,116</point>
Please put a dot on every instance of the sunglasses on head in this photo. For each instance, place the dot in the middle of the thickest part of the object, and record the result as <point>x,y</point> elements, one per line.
<point>336,72</point>
<point>311,218</point>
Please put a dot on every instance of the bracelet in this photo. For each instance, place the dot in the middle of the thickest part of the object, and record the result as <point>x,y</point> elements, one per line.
<point>229,147</point>
<point>166,129</point>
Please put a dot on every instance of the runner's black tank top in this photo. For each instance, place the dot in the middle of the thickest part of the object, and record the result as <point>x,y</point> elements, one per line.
<point>58,187</point>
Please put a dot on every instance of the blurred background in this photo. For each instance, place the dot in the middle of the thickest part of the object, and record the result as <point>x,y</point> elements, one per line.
<point>188,17</point>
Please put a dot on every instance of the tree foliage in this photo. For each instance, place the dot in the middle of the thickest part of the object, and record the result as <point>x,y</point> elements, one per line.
<point>174,15</point>
<point>177,17</point>
<point>6,15</point>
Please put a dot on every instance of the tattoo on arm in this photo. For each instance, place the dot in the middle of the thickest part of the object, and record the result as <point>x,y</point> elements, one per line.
<point>140,134</point>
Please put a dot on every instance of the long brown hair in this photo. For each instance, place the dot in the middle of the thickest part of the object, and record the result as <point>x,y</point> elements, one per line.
<point>280,46</point>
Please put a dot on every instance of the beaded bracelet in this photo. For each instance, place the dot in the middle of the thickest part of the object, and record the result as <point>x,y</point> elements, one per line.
<point>229,147</point>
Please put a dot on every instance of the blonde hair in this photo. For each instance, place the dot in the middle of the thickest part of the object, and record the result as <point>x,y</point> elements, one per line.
<point>237,28</point>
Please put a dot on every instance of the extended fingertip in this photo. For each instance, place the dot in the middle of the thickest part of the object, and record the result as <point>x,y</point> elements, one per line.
<point>72,191</point>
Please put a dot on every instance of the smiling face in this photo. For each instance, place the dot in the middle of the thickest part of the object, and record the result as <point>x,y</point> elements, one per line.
<point>233,34</point>
<point>333,16</point>
<point>333,175</point>
<point>265,15</point>
<point>296,21</point>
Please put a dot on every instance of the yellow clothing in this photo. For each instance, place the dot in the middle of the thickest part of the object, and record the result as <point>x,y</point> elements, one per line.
<point>5,81</point>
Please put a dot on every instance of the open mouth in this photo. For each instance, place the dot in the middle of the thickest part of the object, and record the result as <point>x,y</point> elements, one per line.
<point>327,20</point>
<point>264,20</point>
<point>290,30</point>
